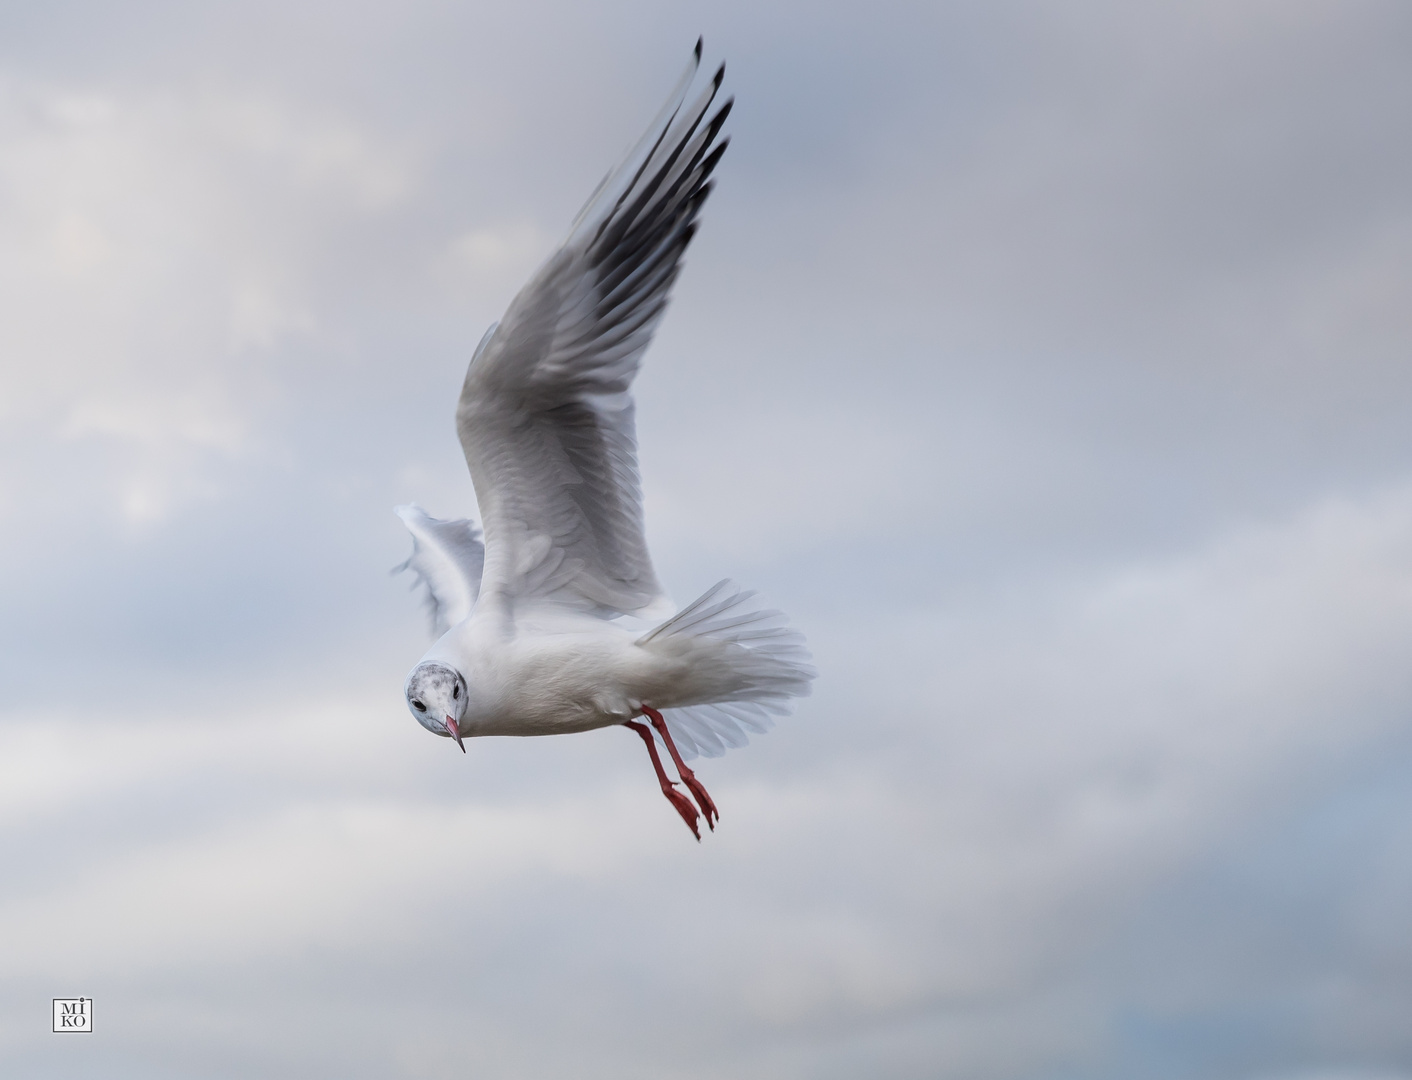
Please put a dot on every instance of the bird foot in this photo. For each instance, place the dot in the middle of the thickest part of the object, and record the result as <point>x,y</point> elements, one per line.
<point>684,808</point>
<point>703,800</point>
<point>680,802</point>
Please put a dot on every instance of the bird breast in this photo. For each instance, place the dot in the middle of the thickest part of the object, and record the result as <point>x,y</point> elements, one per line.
<point>546,684</point>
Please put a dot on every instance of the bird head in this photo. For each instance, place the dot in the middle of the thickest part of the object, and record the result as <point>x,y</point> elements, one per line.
<point>436,695</point>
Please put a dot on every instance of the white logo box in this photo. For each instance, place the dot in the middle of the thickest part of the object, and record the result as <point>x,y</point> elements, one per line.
<point>73,1014</point>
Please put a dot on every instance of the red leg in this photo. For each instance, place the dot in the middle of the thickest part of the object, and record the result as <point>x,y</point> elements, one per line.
<point>675,797</point>
<point>708,808</point>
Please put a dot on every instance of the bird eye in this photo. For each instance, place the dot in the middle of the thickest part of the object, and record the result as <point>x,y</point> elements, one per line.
<point>456,692</point>
<point>418,705</point>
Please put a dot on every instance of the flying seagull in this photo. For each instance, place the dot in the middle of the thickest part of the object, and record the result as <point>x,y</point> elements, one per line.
<point>555,622</point>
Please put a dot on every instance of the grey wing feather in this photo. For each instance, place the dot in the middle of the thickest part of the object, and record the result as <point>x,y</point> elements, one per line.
<point>448,559</point>
<point>546,415</point>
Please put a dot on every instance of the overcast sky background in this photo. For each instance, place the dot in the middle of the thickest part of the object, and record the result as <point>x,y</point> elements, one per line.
<point>1049,363</point>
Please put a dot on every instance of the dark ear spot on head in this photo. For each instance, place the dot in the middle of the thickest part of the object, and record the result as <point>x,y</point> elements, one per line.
<point>456,693</point>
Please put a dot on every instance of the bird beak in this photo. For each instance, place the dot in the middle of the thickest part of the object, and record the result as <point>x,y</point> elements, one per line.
<point>455,732</point>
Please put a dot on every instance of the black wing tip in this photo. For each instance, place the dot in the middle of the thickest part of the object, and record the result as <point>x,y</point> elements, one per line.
<point>700,41</point>
<point>720,75</point>
<point>708,166</point>
<point>720,118</point>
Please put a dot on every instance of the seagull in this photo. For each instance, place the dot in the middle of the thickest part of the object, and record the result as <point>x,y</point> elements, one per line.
<point>553,621</point>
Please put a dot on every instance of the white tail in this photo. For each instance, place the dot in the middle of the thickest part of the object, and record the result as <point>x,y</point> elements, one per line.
<point>770,667</point>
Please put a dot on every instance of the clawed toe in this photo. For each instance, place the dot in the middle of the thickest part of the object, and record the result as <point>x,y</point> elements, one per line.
<point>703,800</point>
<point>685,809</point>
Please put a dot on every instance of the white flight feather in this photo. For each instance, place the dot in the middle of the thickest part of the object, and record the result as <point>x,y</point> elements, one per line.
<point>447,557</point>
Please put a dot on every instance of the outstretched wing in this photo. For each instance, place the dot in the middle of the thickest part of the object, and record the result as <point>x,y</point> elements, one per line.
<point>546,416</point>
<point>447,557</point>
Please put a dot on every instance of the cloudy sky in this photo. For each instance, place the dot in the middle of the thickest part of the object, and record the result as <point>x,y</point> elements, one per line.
<point>1049,363</point>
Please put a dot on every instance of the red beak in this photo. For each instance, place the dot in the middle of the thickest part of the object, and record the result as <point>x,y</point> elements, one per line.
<point>455,733</point>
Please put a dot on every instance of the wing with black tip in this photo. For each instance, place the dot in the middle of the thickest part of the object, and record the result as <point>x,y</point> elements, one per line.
<point>546,413</point>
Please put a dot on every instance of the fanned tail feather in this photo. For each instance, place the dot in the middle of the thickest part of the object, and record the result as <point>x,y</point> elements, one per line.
<point>770,668</point>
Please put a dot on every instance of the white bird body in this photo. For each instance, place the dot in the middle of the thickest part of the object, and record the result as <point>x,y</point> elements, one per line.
<point>560,672</point>
<point>554,676</point>
<point>556,623</point>
<point>546,679</point>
